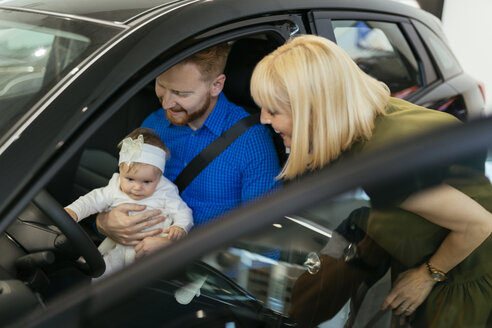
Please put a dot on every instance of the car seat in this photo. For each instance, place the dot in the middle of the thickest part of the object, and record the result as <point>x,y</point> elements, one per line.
<point>243,57</point>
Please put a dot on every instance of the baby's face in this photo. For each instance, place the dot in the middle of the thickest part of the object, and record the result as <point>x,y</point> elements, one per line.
<point>140,180</point>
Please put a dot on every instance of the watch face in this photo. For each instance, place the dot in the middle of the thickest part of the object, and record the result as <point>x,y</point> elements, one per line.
<point>437,276</point>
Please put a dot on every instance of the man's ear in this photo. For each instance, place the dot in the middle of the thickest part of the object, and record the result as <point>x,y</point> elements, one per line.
<point>217,85</point>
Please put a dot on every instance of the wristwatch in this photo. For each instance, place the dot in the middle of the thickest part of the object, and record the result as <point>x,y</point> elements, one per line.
<point>436,274</point>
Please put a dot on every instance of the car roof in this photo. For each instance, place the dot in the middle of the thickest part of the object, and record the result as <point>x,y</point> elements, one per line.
<point>126,11</point>
<point>105,10</point>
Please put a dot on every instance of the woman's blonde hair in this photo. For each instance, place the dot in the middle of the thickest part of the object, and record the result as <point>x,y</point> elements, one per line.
<point>333,103</point>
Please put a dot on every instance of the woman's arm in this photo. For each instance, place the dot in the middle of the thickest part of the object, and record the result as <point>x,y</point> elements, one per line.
<point>469,224</point>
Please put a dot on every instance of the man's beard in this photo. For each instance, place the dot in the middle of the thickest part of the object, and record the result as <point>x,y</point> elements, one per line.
<point>187,118</point>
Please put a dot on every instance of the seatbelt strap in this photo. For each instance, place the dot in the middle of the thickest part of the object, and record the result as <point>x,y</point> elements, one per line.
<point>214,149</point>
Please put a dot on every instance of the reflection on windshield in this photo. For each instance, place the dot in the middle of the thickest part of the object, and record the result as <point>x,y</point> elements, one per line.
<point>23,58</point>
<point>36,52</point>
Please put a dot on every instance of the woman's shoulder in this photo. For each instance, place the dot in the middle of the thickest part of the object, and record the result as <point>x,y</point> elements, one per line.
<point>405,120</point>
<point>406,112</point>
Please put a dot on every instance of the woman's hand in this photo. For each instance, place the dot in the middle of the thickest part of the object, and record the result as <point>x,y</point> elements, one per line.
<point>409,291</point>
<point>127,229</point>
<point>149,245</point>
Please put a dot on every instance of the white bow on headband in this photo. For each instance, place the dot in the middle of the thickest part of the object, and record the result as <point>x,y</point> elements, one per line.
<point>135,150</point>
<point>131,149</point>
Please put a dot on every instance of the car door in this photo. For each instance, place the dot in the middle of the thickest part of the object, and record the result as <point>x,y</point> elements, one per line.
<point>289,257</point>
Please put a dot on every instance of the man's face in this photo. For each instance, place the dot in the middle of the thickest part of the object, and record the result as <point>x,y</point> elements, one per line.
<point>185,97</point>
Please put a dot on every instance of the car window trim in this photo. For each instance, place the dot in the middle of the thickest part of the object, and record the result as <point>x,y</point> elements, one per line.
<point>273,23</point>
<point>442,71</point>
<point>426,63</point>
<point>427,66</point>
<point>66,16</point>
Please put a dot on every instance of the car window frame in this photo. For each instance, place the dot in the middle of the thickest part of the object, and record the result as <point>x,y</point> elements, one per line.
<point>321,23</point>
<point>422,28</point>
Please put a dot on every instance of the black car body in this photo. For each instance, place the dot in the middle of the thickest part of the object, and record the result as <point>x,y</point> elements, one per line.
<point>63,115</point>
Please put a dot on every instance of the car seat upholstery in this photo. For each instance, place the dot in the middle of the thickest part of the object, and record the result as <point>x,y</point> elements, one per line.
<point>243,57</point>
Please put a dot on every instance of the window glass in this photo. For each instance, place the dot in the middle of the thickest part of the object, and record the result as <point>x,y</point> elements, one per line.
<point>25,54</point>
<point>445,59</point>
<point>36,52</point>
<point>381,50</point>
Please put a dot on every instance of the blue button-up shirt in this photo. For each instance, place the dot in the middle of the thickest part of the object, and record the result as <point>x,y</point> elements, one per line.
<point>244,171</point>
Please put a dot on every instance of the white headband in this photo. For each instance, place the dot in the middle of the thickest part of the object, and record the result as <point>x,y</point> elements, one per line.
<point>135,150</point>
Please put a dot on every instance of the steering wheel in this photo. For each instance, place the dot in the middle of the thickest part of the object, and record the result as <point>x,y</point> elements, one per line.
<point>81,242</point>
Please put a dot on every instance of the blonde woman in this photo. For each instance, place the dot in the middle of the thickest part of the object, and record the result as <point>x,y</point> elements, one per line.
<point>437,230</point>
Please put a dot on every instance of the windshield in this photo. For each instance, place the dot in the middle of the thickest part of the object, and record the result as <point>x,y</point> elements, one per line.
<point>36,52</point>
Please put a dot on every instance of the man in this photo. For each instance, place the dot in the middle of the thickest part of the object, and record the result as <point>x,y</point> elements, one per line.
<point>194,113</point>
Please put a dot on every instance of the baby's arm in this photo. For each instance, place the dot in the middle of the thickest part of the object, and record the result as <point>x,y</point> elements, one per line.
<point>72,214</point>
<point>175,232</point>
<point>95,201</point>
<point>181,214</point>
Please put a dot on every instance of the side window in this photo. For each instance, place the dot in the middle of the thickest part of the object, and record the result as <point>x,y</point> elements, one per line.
<point>381,50</point>
<point>447,63</point>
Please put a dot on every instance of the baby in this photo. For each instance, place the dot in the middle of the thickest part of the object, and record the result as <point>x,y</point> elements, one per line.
<point>140,181</point>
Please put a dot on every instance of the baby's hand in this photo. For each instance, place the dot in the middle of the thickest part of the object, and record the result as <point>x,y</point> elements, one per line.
<point>175,232</point>
<point>72,214</point>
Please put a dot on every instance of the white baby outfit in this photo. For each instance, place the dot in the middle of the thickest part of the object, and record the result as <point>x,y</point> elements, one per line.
<point>165,198</point>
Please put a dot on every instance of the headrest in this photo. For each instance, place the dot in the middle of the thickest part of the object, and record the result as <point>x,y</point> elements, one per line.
<point>243,57</point>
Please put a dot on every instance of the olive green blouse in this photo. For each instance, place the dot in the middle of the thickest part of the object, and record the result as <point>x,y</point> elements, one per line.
<point>465,299</point>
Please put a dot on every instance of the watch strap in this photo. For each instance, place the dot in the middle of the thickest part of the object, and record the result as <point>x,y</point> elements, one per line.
<point>436,274</point>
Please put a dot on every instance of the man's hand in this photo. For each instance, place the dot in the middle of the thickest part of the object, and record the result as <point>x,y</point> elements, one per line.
<point>127,229</point>
<point>149,245</point>
<point>175,232</point>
